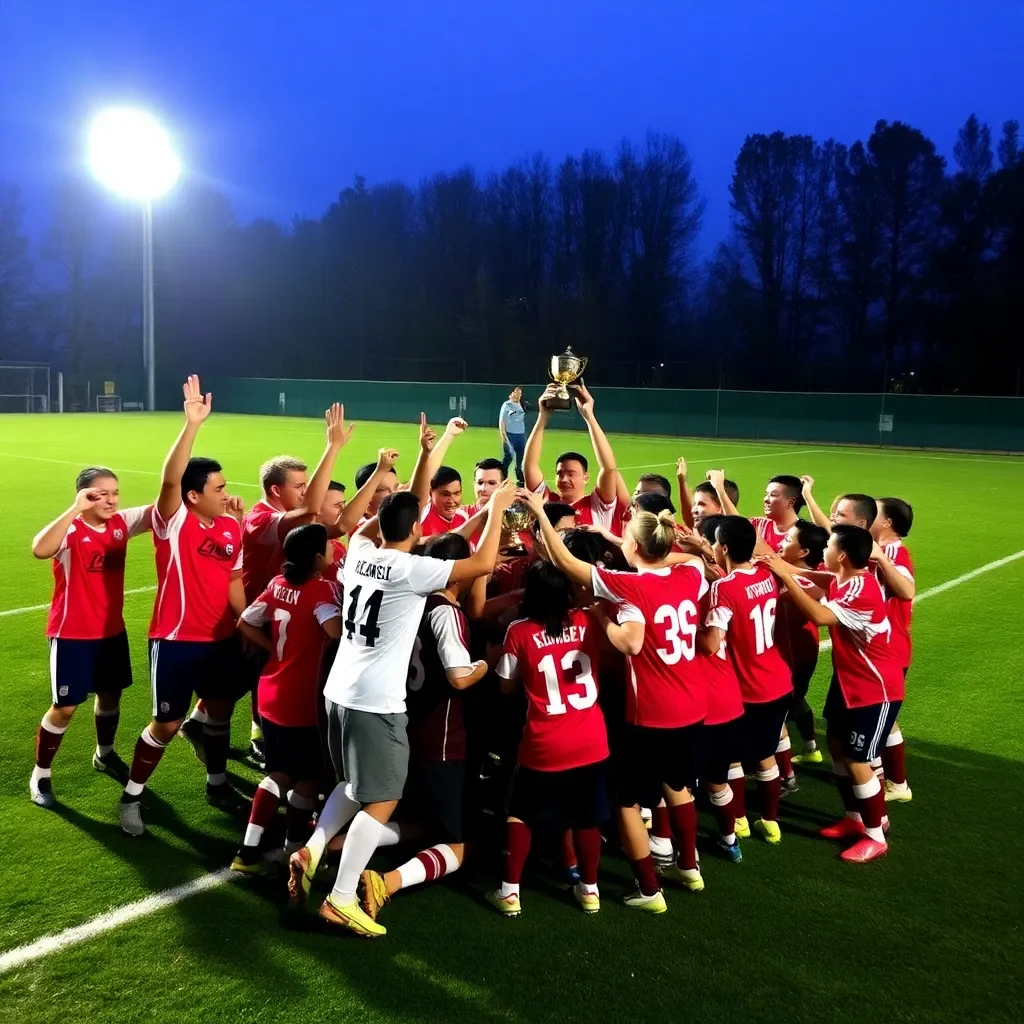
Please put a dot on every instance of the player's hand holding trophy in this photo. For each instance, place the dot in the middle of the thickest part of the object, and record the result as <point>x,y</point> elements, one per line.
<point>563,369</point>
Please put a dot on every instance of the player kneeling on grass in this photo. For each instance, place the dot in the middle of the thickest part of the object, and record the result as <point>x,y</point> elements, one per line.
<point>303,612</point>
<point>553,651</point>
<point>440,670</point>
<point>867,682</point>
<point>88,642</point>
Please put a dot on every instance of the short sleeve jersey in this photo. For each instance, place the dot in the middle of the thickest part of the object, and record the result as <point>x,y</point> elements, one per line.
<point>194,567</point>
<point>288,691</point>
<point>385,592</point>
<point>88,576</point>
<point>262,557</point>
<point>898,610</point>
<point>795,636</point>
<point>591,510</point>
<point>565,726</point>
<point>665,683</point>
<point>432,522</point>
<point>725,703</point>
<point>769,532</point>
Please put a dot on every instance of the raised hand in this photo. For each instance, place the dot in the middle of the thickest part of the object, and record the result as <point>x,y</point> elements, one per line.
<point>681,467</point>
<point>584,399</point>
<point>236,507</point>
<point>338,434</point>
<point>534,502</point>
<point>427,436</point>
<point>87,498</point>
<point>456,425</point>
<point>807,483</point>
<point>776,563</point>
<point>197,406</point>
<point>386,458</point>
<point>502,496</point>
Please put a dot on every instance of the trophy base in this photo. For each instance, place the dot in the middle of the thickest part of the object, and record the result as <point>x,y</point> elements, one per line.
<point>559,402</point>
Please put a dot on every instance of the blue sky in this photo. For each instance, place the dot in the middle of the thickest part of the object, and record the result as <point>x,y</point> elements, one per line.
<point>281,104</point>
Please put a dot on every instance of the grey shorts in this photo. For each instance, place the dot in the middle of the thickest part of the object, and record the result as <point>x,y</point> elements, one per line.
<point>368,751</point>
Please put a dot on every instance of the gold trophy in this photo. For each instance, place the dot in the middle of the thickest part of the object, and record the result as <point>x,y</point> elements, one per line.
<point>564,369</point>
<point>516,518</point>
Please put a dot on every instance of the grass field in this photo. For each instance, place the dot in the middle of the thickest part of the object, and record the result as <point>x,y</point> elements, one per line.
<point>931,933</point>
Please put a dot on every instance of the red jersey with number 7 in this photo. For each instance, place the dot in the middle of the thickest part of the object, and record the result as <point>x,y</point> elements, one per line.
<point>289,691</point>
<point>564,723</point>
<point>743,606</point>
<point>666,686</point>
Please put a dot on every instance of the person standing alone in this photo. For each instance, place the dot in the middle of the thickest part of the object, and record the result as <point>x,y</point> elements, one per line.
<point>512,428</point>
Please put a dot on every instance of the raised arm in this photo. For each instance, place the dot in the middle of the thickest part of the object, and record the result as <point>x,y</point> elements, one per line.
<point>900,585</point>
<point>48,540</point>
<point>626,637</point>
<point>819,614</point>
<point>577,570</point>
<point>685,494</point>
<point>482,560</point>
<point>197,408</point>
<point>469,528</point>
<point>608,472</point>
<point>817,515</point>
<point>356,508</point>
<point>716,477</point>
<point>421,472</point>
<point>533,474</point>
<point>456,426</point>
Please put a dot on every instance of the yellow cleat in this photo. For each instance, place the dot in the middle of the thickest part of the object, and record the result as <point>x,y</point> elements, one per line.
<point>352,917</point>
<point>688,878</point>
<point>244,867</point>
<point>897,793</point>
<point>647,904</point>
<point>507,905</point>
<point>742,828</point>
<point>769,831</point>
<point>374,896</point>
<point>808,757</point>
<point>301,870</point>
<point>589,901</point>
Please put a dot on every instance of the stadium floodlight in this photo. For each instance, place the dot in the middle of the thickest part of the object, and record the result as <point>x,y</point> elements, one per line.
<point>132,155</point>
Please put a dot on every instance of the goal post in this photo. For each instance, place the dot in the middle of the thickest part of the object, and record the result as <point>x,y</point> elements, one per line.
<point>108,403</point>
<point>24,387</point>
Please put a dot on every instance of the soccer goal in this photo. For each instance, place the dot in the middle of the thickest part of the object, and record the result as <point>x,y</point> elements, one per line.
<point>24,387</point>
<point>108,403</point>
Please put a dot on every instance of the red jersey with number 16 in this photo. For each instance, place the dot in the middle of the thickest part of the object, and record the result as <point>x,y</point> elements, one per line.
<point>665,683</point>
<point>743,605</point>
<point>289,691</point>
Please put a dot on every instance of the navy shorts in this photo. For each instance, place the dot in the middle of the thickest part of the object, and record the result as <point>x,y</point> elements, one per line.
<point>802,675</point>
<point>762,728</point>
<point>435,794</point>
<point>81,667</point>
<point>293,750</point>
<point>653,758</point>
<point>573,797</point>
<point>210,669</point>
<point>720,746</point>
<point>861,731</point>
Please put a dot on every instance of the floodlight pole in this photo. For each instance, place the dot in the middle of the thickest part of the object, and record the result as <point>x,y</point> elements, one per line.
<point>148,345</point>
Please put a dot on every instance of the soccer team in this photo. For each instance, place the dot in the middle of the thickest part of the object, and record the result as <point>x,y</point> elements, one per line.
<point>592,676</point>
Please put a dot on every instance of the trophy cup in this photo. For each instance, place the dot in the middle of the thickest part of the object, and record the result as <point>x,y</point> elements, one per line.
<point>514,520</point>
<point>564,369</point>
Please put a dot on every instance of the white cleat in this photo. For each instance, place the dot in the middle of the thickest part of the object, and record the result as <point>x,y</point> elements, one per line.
<point>897,792</point>
<point>130,815</point>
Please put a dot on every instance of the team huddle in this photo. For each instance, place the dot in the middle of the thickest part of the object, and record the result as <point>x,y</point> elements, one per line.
<point>419,666</point>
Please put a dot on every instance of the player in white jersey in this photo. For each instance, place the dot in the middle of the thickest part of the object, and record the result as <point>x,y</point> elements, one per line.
<point>386,589</point>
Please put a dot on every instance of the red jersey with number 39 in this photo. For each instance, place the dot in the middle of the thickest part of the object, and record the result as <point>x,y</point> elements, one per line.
<point>289,691</point>
<point>564,723</point>
<point>898,610</point>
<point>743,606</point>
<point>665,683</point>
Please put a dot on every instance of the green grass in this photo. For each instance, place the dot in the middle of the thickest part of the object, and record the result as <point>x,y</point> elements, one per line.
<point>929,934</point>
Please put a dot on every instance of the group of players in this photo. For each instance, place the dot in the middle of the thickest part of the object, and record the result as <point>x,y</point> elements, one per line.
<point>623,663</point>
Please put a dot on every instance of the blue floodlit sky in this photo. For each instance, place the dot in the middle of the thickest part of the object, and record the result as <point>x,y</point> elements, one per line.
<point>281,104</point>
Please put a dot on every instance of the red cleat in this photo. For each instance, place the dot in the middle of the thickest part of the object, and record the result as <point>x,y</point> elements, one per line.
<point>864,850</point>
<point>844,828</point>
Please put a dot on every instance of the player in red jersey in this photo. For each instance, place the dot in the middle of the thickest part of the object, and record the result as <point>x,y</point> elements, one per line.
<point>444,510</point>
<point>703,500</point>
<point>783,499</point>
<point>603,506</point>
<point>88,642</point>
<point>666,694</point>
<point>743,604</point>
<point>866,692</point>
<point>302,609</point>
<point>894,571</point>
<point>797,639</point>
<point>440,671</point>
<point>330,516</point>
<point>553,652</point>
<point>193,646</point>
<point>849,509</point>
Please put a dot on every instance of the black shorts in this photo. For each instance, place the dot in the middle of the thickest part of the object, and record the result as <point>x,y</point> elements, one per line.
<point>653,758</point>
<point>720,746</point>
<point>435,794</point>
<point>293,750</point>
<point>801,676</point>
<point>210,669</point>
<point>251,664</point>
<point>762,728</point>
<point>573,797</point>
<point>81,667</point>
<point>861,731</point>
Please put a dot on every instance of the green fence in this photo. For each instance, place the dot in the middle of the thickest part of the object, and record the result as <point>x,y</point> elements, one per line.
<point>913,421</point>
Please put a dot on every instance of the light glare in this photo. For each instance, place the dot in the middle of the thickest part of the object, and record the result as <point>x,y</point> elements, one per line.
<point>131,154</point>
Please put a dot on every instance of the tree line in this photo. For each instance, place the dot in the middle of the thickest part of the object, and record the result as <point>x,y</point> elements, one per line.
<point>846,267</point>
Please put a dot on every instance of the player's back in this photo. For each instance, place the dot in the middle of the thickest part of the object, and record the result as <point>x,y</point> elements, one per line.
<point>262,556</point>
<point>795,635</point>
<point>898,610</point>
<point>725,702</point>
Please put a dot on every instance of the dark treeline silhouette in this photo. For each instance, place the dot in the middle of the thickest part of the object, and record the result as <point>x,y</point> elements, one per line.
<point>846,266</point>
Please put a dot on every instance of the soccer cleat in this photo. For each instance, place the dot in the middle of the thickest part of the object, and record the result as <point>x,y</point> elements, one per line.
<point>507,905</point>
<point>897,793</point>
<point>647,904</point>
<point>130,815</point>
<point>222,796</point>
<point>301,870</point>
<point>731,853</point>
<point>769,831</point>
<point>589,901</point>
<point>808,757</point>
<point>41,793</point>
<point>647,817</point>
<point>844,828</point>
<point>257,754</point>
<point>689,878</point>
<point>111,764</point>
<point>571,876</point>
<point>192,731</point>
<point>863,850</point>
<point>248,862</point>
<point>742,828</point>
<point>351,916</point>
<point>789,787</point>
<point>373,894</point>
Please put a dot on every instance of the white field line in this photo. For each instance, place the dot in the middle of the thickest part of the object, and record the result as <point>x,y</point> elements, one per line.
<point>45,607</point>
<point>731,459</point>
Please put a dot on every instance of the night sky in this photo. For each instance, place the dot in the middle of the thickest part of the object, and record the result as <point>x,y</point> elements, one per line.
<point>281,104</point>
